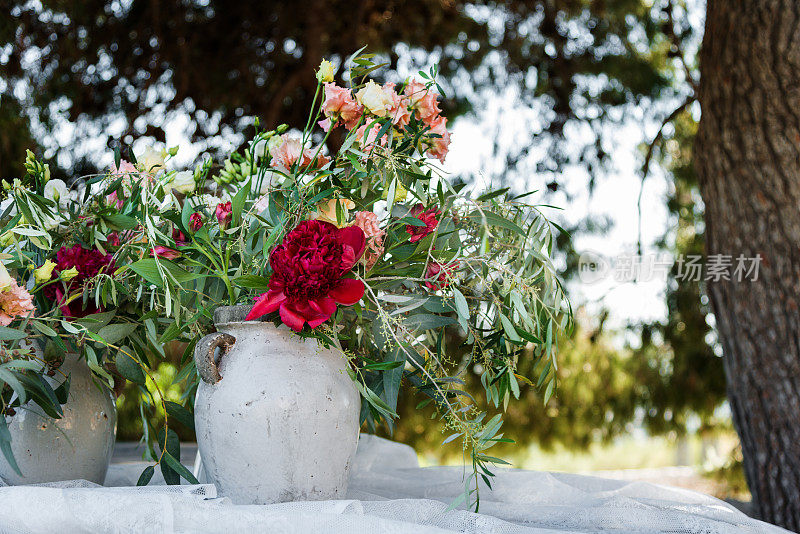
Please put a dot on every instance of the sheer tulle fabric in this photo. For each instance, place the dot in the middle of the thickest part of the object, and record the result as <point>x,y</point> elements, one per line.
<point>388,493</point>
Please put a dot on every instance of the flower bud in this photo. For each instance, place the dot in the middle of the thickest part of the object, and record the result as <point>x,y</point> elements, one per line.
<point>325,72</point>
<point>44,273</point>
<point>68,274</point>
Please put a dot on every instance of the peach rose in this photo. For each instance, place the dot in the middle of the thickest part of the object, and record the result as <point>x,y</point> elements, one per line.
<point>368,222</point>
<point>339,105</point>
<point>15,302</point>
<point>438,146</point>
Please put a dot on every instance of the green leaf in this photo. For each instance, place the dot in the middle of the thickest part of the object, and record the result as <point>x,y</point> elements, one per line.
<point>5,446</point>
<point>180,413</point>
<point>7,333</point>
<point>146,476</point>
<point>44,329</point>
<point>179,468</point>
<point>462,308</point>
<point>122,222</point>
<point>509,329</point>
<point>427,321</point>
<point>117,332</point>
<point>251,281</point>
<point>129,368</point>
<point>170,445</point>
<point>493,194</point>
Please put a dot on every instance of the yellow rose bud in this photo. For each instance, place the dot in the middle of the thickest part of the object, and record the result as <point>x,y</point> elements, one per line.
<point>44,273</point>
<point>69,274</point>
<point>326,71</point>
<point>326,210</point>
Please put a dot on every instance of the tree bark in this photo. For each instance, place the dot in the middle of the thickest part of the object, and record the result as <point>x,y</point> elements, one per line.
<point>748,163</point>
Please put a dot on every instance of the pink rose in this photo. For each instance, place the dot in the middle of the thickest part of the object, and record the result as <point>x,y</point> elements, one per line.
<point>399,111</point>
<point>368,222</point>
<point>439,146</point>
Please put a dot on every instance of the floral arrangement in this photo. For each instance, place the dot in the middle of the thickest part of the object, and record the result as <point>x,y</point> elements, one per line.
<point>346,231</point>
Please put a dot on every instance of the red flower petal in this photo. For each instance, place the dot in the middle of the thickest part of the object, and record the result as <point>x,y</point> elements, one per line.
<point>353,239</point>
<point>347,291</point>
<point>291,318</point>
<point>266,303</point>
<point>313,323</point>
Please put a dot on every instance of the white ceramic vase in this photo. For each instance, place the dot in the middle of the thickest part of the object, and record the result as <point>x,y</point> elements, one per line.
<point>77,446</point>
<point>276,415</point>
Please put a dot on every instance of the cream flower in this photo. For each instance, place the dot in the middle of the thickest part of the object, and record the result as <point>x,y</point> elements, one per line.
<point>377,101</point>
<point>326,210</point>
<point>326,71</point>
<point>5,278</point>
<point>152,160</point>
<point>182,182</point>
<point>44,273</point>
<point>57,191</point>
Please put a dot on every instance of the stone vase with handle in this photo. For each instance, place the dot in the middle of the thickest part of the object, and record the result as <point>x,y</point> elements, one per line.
<point>276,415</point>
<point>77,446</point>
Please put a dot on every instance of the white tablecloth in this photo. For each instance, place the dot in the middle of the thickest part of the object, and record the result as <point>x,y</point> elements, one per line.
<point>388,492</point>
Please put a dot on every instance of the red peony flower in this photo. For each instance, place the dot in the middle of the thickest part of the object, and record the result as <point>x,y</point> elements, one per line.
<point>308,266</point>
<point>426,216</point>
<point>89,263</point>
<point>437,275</point>
<point>224,214</point>
<point>195,221</point>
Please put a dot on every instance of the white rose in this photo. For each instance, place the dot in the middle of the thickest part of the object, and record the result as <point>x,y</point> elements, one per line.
<point>151,160</point>
<point>57,191</point>
<point>375,99</point>
<point>182,182</point>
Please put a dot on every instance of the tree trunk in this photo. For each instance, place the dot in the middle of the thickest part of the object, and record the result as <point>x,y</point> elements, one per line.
<point>748,162</point>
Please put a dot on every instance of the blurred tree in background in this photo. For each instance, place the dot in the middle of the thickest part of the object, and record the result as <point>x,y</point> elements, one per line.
<point>80,77</point>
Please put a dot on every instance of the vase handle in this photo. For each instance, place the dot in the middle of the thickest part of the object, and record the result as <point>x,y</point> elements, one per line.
<point>204,355</point>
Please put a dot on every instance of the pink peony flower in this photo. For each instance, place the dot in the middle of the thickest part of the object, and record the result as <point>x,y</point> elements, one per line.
<point>195,221</point>
<point>89,263</point>
<point>426,216</point>
<point>368,222</point>
<point>340,106</point>
<point>15,302</point>
<point>307,274</point>
<point>439,146</point>
<point>224,213</point>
